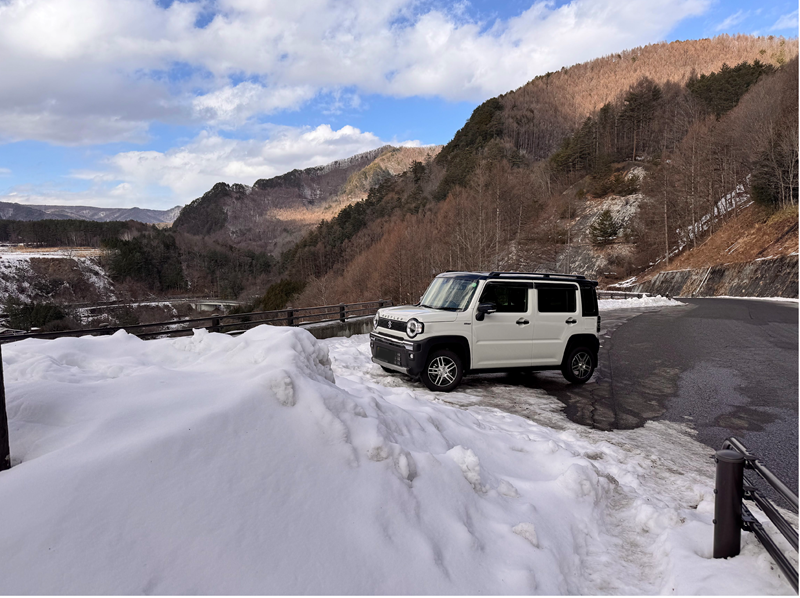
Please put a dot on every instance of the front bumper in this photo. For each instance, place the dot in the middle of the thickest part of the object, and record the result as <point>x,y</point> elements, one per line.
<point>395,354</point>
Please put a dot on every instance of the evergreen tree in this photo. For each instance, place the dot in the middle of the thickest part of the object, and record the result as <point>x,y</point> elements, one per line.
<point>721,91</point>
<point>604,229</point>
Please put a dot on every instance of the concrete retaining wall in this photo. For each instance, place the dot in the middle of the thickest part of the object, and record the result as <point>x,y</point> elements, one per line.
<point>347,328</point>
<point>773,277</point>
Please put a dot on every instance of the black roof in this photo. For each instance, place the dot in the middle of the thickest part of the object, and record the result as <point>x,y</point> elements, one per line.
<point>541,276</point>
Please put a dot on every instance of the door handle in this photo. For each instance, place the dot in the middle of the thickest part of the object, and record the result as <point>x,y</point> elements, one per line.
<point>572,321</point>
<point>522,322</point>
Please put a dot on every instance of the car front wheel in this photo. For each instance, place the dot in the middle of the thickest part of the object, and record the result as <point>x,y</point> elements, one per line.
<point>579,365</point>
<point>443,371</point>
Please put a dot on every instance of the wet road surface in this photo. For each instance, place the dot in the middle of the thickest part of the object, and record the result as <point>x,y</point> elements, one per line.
<point>725,367</point>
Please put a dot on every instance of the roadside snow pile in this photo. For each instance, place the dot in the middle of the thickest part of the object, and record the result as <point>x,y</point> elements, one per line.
<point>212,464</point>
<point>778,299</point>
<point>657,301</point>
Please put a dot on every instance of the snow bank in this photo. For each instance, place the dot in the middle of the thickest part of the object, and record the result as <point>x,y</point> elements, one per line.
<point>778,299</point>
<point>241,465</point>
<point>657,301</point>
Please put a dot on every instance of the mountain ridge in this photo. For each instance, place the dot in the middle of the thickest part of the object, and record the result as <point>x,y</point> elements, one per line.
<point>16,211</point>
<point>273,212</point>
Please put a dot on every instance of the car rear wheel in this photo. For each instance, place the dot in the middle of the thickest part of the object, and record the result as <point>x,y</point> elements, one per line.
<point>579,365</point>
<point>443,371</point>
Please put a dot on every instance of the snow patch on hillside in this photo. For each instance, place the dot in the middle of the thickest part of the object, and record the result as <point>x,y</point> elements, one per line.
<point>20,281</point>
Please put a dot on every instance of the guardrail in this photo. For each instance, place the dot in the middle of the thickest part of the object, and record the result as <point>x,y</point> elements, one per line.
<point>619,295</point>
<point>152,300</point>
<point>731,516</point>
<point>223,323</point>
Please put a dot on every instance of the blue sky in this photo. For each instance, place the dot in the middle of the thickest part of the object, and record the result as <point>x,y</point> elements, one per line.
<point>136,102</point>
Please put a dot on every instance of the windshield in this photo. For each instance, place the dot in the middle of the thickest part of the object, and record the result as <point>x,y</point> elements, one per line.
<point>452,294</point>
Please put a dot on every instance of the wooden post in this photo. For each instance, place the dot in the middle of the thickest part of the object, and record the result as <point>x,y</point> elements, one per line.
<point>341,313</point>
<point>5,451</point>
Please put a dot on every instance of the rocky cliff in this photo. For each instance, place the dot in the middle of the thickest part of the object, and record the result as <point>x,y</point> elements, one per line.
<point>766,277</point>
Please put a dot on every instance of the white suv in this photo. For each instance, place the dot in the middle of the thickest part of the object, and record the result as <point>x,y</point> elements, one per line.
<point>474,322</point>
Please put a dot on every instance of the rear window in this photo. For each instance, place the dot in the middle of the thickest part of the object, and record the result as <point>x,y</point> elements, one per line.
<point>589,301</point>
<point>556,300</point>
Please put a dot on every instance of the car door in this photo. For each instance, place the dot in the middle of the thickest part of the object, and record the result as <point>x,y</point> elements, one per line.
<point>555,320</point>
<point>505,338</point>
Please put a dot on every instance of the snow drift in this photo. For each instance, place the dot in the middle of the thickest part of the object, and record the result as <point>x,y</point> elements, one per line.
<point>211,464</point>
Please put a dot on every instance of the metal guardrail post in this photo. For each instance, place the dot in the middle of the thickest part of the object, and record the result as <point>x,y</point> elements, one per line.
<point>342,313</point>
<point>729,492</point>
<point>290,316</point>
<point>5,451</point>
<point>214,324</point>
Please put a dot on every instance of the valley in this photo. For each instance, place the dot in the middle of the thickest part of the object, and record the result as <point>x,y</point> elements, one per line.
<point>669,157</point>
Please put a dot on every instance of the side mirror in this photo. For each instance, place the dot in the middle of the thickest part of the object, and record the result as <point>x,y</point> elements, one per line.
<point>483,309</point>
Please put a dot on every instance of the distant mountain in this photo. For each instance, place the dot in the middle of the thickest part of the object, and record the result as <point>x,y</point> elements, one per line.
<point>91,213</point>
<point>15,211</point>
<point>273,213</point>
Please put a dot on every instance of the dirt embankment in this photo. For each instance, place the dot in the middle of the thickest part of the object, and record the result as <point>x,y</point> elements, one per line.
<point>754,254</point>
<point>753,234</point>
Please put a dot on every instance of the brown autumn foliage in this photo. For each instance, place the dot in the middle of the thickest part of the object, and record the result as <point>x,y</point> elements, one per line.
<point>513,213</point>
<point>540,113</point>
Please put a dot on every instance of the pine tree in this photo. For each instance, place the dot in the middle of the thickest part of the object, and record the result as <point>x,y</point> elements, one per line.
<point>604,229</point>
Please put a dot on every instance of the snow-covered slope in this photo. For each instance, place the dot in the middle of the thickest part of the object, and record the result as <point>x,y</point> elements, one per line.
<point>52,276</point>
<point>145,215</point>
<point>272,463</point>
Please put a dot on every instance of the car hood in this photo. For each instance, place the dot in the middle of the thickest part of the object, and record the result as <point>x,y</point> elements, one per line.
<point>403,313</point>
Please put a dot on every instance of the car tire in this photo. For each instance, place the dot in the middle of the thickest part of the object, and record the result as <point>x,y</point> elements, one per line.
<point>579,365</point>
<point>443,371</point>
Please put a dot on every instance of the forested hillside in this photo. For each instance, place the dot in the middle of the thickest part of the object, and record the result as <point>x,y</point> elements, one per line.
<point>273,213</point>
<point>222,244</point>
<point>606,167</point>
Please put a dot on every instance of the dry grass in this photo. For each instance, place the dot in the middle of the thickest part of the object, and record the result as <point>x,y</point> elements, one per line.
<point>755,233</point>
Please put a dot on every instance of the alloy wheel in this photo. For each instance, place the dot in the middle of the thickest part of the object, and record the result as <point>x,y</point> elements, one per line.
<point>581,365</point>
<point>442,370</point>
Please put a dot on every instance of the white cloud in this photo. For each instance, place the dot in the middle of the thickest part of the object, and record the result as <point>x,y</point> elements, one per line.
<point>191,170</point>
<point>787,21</point>
<point>92,71</point>
<point>234,106</point>
<point>177,176</point>
<point>5,171</point>
<point>733,20</point>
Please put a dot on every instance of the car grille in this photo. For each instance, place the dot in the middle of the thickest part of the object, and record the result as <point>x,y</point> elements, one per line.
<point>391,324</point>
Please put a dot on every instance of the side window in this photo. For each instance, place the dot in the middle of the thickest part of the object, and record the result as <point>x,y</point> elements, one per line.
<point>556,300</point>
<point>508,298</point>
<point>589,301</point>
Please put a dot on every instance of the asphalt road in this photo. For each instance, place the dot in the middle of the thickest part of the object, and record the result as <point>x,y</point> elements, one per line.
<point>726,367</point>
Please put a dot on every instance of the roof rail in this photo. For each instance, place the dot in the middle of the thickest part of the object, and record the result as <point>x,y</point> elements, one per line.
<point>542,274</point>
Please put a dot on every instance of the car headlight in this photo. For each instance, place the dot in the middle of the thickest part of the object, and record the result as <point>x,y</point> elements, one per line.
<point>414,327</point>
<point>375,321</point>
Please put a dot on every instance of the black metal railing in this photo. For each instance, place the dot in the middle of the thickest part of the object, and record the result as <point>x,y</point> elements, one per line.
<point>224,323</point>
<point>731,516</point>
<point>619,295</point>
